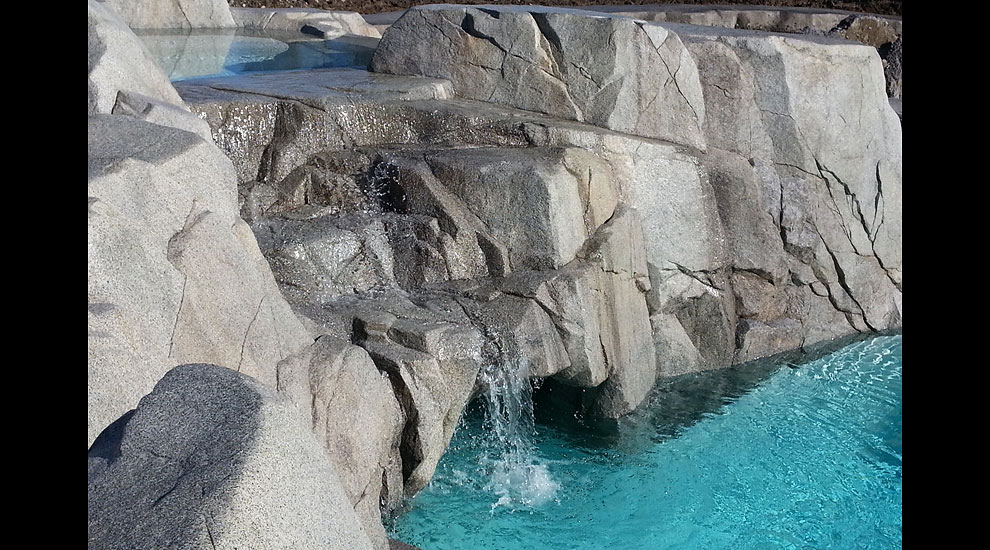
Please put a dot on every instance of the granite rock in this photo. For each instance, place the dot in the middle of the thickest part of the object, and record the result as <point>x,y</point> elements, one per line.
<point>213,458</point>
<point>613,72</point>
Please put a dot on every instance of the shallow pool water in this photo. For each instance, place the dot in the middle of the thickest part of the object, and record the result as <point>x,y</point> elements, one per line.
<point>783,457</point>
<point>199,53</point>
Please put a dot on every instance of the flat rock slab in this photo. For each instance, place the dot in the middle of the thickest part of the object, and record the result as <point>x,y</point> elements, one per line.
<point>610,71</point>
<point>318,86</point>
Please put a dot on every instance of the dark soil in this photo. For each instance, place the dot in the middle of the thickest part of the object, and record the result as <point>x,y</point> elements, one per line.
<point>882,7</point>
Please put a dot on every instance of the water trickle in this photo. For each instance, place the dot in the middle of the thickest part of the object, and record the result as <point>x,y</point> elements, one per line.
<point>517,477</point>
<point>382,186</point>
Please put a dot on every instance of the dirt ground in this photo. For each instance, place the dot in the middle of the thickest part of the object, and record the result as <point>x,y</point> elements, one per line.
<point>883,7</point>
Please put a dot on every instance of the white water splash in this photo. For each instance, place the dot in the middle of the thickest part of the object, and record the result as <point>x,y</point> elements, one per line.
<point>516,474</point>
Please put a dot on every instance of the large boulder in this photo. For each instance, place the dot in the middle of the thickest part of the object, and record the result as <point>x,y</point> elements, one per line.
<point>356,417</point>
<point>173,14</point>
<point>810,160</point>
<point>322,23</point>
<point>540,203</point>
<point>175,276</point>
<point>214,459</point>
<point>119,61</point>
<point>610,71</point>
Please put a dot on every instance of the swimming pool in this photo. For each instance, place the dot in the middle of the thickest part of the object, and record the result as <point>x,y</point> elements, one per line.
<point>199,53</point>
<point>765,457</point>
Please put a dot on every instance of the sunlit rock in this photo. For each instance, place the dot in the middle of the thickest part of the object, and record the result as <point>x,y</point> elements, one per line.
<point>173,14</point>
<point>611,72</point>
<point>213,458</point>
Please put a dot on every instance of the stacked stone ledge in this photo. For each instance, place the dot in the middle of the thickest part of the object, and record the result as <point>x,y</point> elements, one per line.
<point>595,199</point>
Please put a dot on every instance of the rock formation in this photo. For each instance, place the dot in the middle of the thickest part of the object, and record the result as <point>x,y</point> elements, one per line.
<point>582,196</point>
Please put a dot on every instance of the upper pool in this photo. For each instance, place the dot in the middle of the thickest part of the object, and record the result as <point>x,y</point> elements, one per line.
<point>757,458</point>
<point>196,53</point>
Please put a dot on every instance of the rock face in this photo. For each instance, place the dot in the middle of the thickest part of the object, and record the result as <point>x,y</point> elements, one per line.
<point>612,72</point>
<point>357,420</point>
<point>175,276</point>
<point>119,61</point>
<point>790,202</point>
<point>835,148</point>
<point>213,458</point>
<point>173,14</point>
<point>589,198</point>
<point>322,23</point>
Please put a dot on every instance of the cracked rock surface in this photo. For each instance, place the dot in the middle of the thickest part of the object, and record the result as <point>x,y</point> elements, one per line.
<point>611,72</point>
<point>574,196</point>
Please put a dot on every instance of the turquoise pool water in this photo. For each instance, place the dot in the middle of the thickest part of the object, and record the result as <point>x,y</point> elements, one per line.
<point>805,457</point>
<point>205,53</point>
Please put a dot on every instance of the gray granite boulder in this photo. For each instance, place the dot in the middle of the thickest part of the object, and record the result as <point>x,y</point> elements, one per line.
<point>355,415</point>
<point>667,184</point>
<point>540,203</point>
<point>319,258</point>
<point>212,458</point>
<point>431,353</point>
<point>825,152</point>
<point>322,23</point>
<point>756,339</point>
<point>610,71</point>
<point>176,270</point>
<point>175,276</point>
<point>524,333</point>
<point>173,14</point>
<point>119,61</point>
<point>598,306</point>
<point>824,106</point>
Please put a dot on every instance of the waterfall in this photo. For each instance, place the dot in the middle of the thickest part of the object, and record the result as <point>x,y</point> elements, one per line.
<point>517,475</point>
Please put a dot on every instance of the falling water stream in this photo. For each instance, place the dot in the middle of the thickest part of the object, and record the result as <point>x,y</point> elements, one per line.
<point>517,476</point>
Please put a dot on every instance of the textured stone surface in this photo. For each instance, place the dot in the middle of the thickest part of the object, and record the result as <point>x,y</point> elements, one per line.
<point>747,212</point>
<point>170,261</point>
<point>148,109</point>
<point>618,249</point>
<point>612,72</point>
<point>431,354</point>
<point>323,23</point>
<point>356,417</point>
<point>667,184</point>
<point>431,390</point>
<point>212,458</point>
<point>830,182</point>
<point>540,203</point>
<point>317,259</point>
<point>173,14</point>
<point>118,61</point>
<point>776,230</point>
<point>694,320</point>
<point>524,333</point>
<point>756,339</point>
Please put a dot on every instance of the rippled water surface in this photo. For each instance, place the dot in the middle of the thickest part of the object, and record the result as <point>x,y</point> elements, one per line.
<point>805,457</point>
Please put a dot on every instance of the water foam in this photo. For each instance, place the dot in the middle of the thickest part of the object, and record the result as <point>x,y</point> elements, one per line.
<point>517,476</point>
